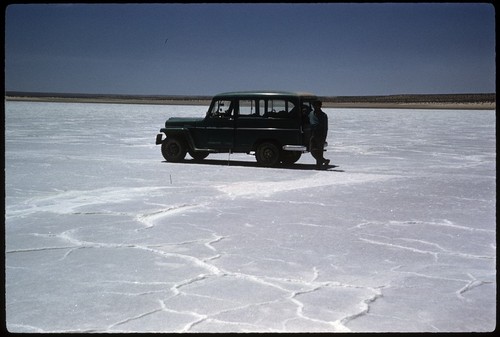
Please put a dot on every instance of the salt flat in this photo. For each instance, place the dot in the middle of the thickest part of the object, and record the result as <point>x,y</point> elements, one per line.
<point>102,235</point>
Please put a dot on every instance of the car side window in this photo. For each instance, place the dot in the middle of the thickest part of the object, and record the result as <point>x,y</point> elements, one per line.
<point>279,108</point>
<point>249,107</point>
<point>222,109</point>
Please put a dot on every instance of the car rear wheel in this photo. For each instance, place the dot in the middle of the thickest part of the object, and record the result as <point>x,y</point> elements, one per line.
<point>267,154</point>
<point>173,150</point>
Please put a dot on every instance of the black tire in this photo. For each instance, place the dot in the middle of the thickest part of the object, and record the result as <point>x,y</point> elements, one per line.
<point>173,150</point>
<point>267,154</point>
<point>198,155</point>
<point>290,157</point>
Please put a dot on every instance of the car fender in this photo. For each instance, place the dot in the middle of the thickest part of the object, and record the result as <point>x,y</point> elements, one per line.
<point>182,133</point>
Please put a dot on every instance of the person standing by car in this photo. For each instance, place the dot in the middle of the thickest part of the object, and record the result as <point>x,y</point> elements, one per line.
<point>319,130</point>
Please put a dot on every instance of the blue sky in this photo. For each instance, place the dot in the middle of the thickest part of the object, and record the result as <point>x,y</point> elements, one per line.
<point>203,49</point>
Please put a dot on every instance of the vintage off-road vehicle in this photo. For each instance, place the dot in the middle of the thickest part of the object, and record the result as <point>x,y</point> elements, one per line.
<point>271,125</point>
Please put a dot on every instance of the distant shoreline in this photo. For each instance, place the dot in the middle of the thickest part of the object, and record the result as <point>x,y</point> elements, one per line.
<point>444,101</point>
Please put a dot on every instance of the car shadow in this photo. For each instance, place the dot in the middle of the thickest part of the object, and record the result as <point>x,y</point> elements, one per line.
<point>240,163</point>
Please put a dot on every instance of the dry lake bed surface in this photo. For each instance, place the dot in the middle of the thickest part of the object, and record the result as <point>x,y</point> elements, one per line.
<point>103,235</point>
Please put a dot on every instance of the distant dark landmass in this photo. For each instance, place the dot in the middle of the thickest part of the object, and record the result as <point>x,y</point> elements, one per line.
<point>416,98</point>
<point>103,96</point>
<point>434,101</point>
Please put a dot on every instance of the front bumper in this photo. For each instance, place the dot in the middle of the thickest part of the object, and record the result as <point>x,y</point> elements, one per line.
<point>159,138</point>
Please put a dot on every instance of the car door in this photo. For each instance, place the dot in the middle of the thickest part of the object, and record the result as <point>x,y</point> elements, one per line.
<point>249,123</point>
<point>219,126</point>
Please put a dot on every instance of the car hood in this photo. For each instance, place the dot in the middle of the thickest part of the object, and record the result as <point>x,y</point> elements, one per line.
<point>182,121</point>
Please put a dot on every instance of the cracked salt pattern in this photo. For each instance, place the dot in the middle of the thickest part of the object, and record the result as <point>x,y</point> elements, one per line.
<point>101,235</point>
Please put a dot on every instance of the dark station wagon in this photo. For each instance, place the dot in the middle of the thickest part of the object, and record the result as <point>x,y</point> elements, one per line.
<point>274,126</point>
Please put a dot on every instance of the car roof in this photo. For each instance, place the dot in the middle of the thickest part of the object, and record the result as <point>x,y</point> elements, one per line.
<point>265,93</point>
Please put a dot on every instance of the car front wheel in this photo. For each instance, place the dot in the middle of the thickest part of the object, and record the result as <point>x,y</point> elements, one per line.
<point>198,155</point>
<point>173,150</point>
<point>267,154</point>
